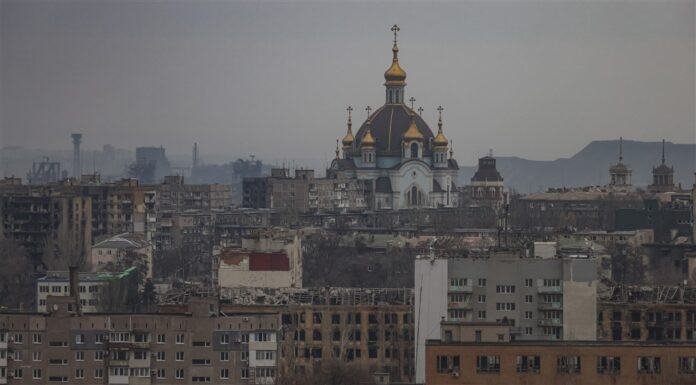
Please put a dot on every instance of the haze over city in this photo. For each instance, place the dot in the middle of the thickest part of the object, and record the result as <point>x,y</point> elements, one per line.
<point>532,79</point>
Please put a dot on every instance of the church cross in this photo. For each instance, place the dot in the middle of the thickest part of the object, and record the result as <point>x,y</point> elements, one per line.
<point>420,110</point>
<point>368,109</point>
<point>395,29</point>
<point>412,100</point>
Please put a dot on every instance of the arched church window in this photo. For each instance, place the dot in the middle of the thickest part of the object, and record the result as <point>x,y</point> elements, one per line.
<point>396,96</point>
<point>414,196</point>
<point>414,150</point>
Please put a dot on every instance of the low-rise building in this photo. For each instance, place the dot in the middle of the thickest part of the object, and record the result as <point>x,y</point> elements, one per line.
<point>112,250</point>
<point>97,291</point>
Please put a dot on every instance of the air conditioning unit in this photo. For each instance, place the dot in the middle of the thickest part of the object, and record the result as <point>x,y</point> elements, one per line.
<point>153,372</point>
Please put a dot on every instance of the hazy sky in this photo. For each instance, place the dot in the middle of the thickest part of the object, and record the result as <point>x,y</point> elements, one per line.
<point>533,79</point>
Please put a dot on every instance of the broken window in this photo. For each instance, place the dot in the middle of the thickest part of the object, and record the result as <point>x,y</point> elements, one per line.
<point>568,364</point>
<point>649,365</point>
<point>608,365</point>
<point>447,364</point>
<point>528,364</point>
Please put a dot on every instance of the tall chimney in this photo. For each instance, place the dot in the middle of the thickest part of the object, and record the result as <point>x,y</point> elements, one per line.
<point>77,167</point>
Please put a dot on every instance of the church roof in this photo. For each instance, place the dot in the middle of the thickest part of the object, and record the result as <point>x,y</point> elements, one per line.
<point>663,169</point>
<point>389,123</point>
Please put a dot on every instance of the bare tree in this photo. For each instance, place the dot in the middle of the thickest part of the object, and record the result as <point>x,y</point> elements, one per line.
<point>331,372</point>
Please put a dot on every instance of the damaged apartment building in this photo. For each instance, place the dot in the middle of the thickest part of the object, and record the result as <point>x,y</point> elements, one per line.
<point>370,327</point>
<point>265,258</point>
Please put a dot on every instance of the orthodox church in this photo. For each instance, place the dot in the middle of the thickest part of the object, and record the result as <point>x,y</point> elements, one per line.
<point>394,148</point>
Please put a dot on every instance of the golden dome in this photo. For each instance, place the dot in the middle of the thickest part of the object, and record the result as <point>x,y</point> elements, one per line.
<point>440,140</point>
<point>413,133</point>
<point>348,139</point>
<point>395,75</point>
<point>368,140</point>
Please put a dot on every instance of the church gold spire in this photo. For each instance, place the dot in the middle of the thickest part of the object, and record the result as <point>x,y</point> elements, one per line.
<point>349,138</point>
<point>440,140</point>
<point>395,76</point>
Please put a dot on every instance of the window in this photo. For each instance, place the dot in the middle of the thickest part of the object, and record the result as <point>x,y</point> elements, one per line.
<point>225,339</point>
<point>98,373</point>
<point>244,356</point>
<point>481,298</point>
<point>528,364</point>
<point>245,338</point>
<point>36,374</point>
<point>687,365</point>
<point>161,338</point>
<point>161,374</point>
<point>528,299</point>
<point>528,315</point>
<point>224,374</point>
<point>179,374</point>
<point>505,306</point>
<point>140,355</point>
<point>447,364</point>
<point>142,337</point>
<point>457,314</point>
<point>528,282</point>
<point>649,365</point>
<point>568,364</point>
<point>482,314</point>
<point>18,338</point>
<point>36,338</point>
<point>179,339</point>
<point>99,355</point>
<point>36,356</point>
<point>79,373</point>
<point>458,282</point>
<point>265,372</point>
<point>79,339</point>
<point>335,319</point>
<point>262,337</point>
<point>18,373</point>
<point>265,354</point>
<point>608,365</point>
<point>414,150</point>
<point>161,356</point>
<point>529,331</point>
<point>505,289</point>
<point>482,282</point>
<point>487,364</point>
<point>99,338</point>
<point>179,356</point>
<point>552,283</point>
<point>79,356</point>
<point>245,373</point>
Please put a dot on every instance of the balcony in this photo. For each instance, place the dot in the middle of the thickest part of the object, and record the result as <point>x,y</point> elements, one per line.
<point>118,379</point>
<point>550,322</point>
<point>461,289</point>
<point>467,305</point>
<point>550,306</point>
<point>550,289</point>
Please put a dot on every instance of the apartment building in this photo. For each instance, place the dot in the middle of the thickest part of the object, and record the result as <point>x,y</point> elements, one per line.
<point>559,362</point>
<point>200,345</point>
<point>541,298</point>
<point>372,327</point>
<point>644,313</point>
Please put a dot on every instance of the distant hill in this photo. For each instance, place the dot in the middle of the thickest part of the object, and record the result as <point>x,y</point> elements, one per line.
<point>590,166</point>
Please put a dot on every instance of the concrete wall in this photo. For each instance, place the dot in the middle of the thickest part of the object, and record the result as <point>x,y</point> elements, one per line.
<point>431,306</point>
<point>580,299</point>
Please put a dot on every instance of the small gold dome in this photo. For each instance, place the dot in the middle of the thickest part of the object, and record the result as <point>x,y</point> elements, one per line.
<point>413,133</point>
<point>395,75</point>
<point>349,138</point>
<point>368,140</point>
<point>440,140</point>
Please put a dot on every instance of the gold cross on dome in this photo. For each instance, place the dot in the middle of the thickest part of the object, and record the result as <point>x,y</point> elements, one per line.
<point>439,112</point>
<point>412,100</point>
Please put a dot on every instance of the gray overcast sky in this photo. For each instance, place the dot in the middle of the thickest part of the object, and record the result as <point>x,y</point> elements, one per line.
<point>534,79</point>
